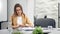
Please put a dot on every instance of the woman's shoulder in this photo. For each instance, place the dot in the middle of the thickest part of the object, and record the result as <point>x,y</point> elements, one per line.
<point>25,16</point>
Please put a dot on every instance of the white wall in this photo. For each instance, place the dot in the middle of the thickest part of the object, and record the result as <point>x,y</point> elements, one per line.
<point>3,10</point>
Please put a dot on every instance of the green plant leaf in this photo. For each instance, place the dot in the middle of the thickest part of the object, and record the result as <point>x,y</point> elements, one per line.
<point>38,30</point>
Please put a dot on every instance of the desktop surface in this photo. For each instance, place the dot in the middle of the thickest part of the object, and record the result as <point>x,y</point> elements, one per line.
<point>53,31</point>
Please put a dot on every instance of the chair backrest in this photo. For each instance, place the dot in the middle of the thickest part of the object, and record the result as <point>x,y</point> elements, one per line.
<point>45,22</point>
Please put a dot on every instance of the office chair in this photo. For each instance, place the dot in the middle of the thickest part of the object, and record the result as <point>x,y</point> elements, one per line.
<point>44,22</point>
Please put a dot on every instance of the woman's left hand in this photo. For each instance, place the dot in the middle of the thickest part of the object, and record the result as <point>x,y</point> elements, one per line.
<point>21,25</point>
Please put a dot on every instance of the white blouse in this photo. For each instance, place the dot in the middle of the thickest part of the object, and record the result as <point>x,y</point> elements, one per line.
<point>19,20</point>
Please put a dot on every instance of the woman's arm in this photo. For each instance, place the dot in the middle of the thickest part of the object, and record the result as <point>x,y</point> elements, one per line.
<point>14,27</point>
<point>29,23</point>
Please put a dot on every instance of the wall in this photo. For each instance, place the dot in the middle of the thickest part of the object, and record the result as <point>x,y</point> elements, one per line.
<point>3,10</point>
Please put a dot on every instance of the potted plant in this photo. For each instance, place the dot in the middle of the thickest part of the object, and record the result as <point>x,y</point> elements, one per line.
<point>38,30</point>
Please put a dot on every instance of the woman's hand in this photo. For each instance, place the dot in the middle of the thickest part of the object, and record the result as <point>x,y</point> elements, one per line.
<point>21,25</point>
<point>15,27</point>
<point>27,25</point>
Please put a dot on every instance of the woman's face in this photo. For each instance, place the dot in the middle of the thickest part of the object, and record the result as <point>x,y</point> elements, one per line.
<point>18,10</point>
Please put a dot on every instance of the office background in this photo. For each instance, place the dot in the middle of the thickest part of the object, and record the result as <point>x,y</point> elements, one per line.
<point>38,8</point>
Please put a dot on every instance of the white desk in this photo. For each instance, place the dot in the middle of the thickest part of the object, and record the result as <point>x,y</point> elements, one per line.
<point>44,30</point>
<point>30,32</point>
<point>54,31</point>
<point>6,31</point>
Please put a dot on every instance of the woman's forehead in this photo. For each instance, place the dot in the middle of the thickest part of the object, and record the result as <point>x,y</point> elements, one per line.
<point>18,8</point>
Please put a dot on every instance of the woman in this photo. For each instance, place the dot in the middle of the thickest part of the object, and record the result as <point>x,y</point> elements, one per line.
<point>19,19</point>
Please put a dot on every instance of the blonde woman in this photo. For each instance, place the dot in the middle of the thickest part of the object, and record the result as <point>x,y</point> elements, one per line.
<point>19,19</point>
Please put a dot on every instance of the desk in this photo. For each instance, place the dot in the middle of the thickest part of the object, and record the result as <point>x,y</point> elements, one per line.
<point>54,31</point>
<point>30,30</point>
